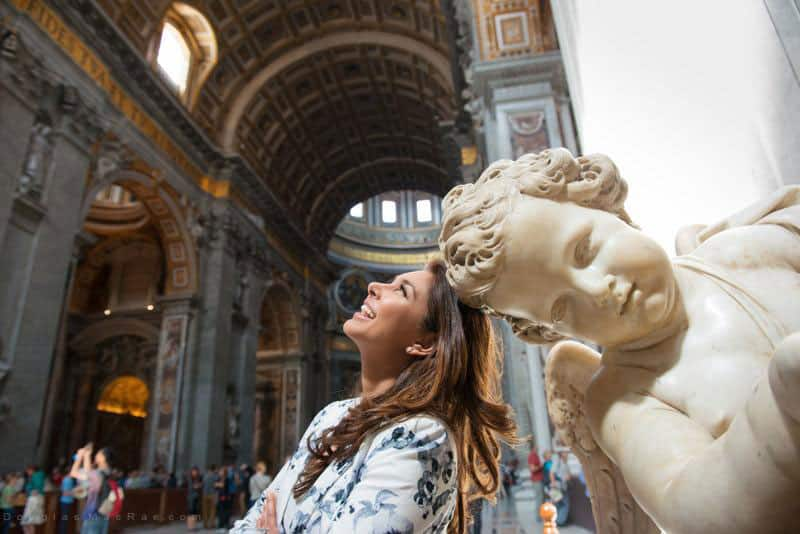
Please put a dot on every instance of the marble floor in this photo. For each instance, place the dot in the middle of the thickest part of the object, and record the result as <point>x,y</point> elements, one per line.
<point>511,516</point>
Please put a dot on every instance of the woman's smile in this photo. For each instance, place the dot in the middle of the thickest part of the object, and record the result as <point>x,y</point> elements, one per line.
<point>367,313</point>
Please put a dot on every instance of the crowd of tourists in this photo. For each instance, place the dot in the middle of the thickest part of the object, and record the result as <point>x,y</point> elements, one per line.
<point>91,492</point>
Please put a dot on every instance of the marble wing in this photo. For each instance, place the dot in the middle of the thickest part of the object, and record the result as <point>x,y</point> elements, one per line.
<point>569,370</point>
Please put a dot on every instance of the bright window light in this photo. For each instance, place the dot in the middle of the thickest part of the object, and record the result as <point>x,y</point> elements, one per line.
<point>174,56</point>
<point>389,211</point>
<point>424,211</point>
<point>357,211</point>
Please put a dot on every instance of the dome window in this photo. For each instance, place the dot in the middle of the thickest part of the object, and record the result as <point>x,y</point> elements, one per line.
<point>389,211</point>
<point>357,211</point>
<point>424,213</point>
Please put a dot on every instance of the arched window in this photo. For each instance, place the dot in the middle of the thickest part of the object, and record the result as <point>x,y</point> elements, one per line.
<point>186,51</point>
<point>174,57</point>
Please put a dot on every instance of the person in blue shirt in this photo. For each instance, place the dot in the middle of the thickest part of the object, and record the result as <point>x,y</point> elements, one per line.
<point>65,504</point>
<point>547,467</point>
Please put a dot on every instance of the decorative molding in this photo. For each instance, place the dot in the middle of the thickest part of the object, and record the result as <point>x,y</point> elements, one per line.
<point>347,251</point>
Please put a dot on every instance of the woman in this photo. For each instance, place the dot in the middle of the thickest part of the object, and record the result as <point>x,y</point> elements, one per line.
<point>96,480</point>
<point>420,442</point>
<point>34,505</point>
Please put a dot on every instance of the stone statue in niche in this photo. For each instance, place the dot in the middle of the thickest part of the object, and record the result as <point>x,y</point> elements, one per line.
<point>33,170</point>
<point>692,414</point>
<point>232,413</point>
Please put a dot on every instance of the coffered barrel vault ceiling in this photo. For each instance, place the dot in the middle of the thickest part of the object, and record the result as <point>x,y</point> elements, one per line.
<point>331,101</point>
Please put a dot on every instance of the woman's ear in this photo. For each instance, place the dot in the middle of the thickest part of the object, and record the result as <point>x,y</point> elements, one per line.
<point>422,349</point>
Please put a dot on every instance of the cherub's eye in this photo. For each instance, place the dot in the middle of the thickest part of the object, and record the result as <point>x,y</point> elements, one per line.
<point>584,253</point>
<point>559,310</point>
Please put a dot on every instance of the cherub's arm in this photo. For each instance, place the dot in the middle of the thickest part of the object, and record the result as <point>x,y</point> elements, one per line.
<point>691,237</point>
<point>689,481</point>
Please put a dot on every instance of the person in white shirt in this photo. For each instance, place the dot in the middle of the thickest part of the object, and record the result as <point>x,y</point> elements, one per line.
<point>258,482</point>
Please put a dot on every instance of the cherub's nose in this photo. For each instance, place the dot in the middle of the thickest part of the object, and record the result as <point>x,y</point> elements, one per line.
<point>598,288</point>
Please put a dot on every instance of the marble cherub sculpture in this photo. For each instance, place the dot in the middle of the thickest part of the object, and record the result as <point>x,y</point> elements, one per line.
<point>693,410</point>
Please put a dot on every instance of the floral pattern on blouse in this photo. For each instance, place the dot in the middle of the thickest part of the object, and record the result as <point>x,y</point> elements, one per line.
<point>401,480</point>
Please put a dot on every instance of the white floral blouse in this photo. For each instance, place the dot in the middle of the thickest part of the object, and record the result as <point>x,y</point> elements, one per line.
<point>401,480</point>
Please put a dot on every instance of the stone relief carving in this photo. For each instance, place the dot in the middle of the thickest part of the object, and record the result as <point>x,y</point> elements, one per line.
<point>112,156</point>
<point>9,43</point>
<point>127,354</point>
<point>691,413</point>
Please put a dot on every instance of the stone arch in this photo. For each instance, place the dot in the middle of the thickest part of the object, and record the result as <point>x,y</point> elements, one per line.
<point>367,180</point>
<point>180,256</point>
<point>439,61</point>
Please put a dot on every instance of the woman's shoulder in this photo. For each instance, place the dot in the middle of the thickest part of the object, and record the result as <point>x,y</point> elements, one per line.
<point>336,409</point>
<point>421,432</point>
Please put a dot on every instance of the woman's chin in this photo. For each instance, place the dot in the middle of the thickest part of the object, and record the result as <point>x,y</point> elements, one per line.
<point>351,327</point>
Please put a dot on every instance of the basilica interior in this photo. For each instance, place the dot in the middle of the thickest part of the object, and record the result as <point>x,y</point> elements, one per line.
<point>196,195</point>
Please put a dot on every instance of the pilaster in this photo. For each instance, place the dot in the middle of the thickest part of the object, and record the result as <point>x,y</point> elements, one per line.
<point>177,317</point>
<point>37,247</point>
<point>211,370</point>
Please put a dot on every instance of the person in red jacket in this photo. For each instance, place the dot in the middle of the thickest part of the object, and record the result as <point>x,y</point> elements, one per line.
<point>537,474</point>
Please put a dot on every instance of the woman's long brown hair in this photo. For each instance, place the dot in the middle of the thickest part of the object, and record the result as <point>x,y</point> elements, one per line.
<point>459,384</point>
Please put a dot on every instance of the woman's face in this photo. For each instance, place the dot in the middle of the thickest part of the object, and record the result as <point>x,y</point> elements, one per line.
<point>583,271</point>
<point>390,319</point>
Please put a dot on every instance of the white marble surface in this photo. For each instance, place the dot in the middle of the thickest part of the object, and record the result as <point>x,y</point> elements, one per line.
<point>693,412</point>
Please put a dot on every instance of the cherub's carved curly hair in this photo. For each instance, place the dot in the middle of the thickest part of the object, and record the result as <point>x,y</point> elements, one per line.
<point>472,237</point>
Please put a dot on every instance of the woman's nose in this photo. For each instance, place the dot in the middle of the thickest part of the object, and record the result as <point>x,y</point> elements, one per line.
<point>373,288</point>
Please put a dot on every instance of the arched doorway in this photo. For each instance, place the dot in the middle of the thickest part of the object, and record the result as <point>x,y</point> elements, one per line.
<point>133,254</point>
<point>121,415</point>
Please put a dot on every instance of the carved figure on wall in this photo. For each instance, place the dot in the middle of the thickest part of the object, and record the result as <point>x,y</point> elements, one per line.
<point>241,289</point>
<point>693,410</point>
<point>33,169</point>
<point>9,43</point>
<point>232,413</point>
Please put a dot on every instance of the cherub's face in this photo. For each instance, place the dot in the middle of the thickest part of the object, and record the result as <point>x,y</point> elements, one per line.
<point>583,271</point>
